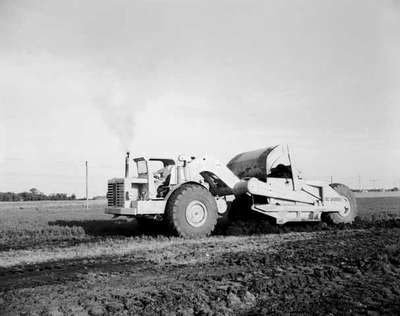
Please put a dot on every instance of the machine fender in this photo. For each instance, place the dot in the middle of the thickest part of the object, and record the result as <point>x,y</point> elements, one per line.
<point>178,186</point>
<point>221,201</point>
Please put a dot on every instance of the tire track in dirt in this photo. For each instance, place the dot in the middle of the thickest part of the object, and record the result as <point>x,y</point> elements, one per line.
<point>168,248</point>
<point>183,252</point>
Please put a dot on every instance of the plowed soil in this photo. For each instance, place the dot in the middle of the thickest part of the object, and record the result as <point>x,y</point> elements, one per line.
<point>299,269</point>
<point>330,272</point>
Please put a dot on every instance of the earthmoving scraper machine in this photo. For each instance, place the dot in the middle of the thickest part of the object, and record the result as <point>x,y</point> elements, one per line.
<point>190,193</point>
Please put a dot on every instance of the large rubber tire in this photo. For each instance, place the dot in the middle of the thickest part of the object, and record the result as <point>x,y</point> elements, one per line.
<point>336,218</point>
<point>223,220</point>
<point>191,211</point>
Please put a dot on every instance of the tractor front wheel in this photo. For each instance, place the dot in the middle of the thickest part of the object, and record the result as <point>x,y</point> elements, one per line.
<point>191,211</point>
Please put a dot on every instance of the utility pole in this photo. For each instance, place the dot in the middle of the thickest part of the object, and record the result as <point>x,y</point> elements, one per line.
<point>359,183</point>
<point>87,185</point>
<point>331,179</point>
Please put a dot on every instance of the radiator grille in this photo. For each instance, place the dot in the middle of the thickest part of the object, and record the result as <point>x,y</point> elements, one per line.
<point>115,194</point>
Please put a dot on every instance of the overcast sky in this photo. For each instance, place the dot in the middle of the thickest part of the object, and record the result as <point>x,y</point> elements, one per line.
<point>86,80</point>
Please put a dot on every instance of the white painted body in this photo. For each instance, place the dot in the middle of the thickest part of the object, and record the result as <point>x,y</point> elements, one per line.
<point>287,198</point>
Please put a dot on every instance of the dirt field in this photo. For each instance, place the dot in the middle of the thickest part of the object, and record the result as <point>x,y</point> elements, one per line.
<point>60,259</point>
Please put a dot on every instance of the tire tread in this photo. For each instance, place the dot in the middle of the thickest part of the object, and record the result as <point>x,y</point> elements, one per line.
<point>173,210</point>
<point>336,218</point>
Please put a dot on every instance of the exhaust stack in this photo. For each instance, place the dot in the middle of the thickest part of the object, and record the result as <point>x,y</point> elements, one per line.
<point>127,165</point>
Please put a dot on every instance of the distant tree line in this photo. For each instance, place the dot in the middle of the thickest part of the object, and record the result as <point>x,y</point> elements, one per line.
<point>35,195</point>
<point>395,189</point>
